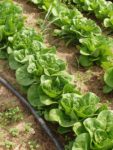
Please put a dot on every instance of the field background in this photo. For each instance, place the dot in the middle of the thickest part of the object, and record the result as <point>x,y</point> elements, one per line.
<point>85,79</point>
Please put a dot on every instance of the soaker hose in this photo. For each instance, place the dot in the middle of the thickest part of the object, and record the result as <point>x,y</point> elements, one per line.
<point>37,117</point>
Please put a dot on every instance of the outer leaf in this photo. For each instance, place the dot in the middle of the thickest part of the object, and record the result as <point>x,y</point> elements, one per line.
<point>59,116</point>
<point>33,95</point>
<point>23,77</point>
<point>107,89</point>
<point>79,128</point>
<point>82,142</point>
<point>108,77</point>
<point>85,61</point>
<point>37,98</point>
<point>13,63</point>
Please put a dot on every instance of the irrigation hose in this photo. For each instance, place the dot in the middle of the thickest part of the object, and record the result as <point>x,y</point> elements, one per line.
<point>37,117</point>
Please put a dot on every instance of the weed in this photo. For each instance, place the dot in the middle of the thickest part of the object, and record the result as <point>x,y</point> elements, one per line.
<point>14,132</point>
<point>33,145</point>
<point>9,145</point>
<point>11,115</point>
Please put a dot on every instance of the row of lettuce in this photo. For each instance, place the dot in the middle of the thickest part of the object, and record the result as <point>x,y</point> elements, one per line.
<point>49,87</point>
<point>94,47</point>
<point>102,9</point>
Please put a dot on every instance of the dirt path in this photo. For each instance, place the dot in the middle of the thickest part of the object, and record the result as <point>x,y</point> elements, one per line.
<point>21,134</point>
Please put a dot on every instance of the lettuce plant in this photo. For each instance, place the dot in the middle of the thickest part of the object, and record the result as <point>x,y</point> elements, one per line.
<point>102,9</point>
<point>54,85</point>
<point>48,89</point>
<point>11,21</point>
<point>97,133</point>
<point>75,107</point>
<point>89,52</point>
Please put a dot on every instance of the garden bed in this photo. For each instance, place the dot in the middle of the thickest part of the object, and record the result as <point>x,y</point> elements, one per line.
<point>85,80</point>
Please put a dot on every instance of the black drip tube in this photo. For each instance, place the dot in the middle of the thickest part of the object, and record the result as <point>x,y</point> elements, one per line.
<point>37,117</point>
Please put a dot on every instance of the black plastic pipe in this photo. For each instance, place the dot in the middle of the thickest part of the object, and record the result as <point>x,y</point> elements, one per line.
<point>31,109</point>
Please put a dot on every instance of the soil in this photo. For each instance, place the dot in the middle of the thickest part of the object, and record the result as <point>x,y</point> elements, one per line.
<point>90,79</point>
<point>34,134</point>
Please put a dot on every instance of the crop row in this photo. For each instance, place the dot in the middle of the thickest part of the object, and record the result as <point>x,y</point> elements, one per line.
<point>48,86</point>
<point>94,47</point>
<point>102,9</point>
